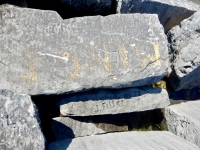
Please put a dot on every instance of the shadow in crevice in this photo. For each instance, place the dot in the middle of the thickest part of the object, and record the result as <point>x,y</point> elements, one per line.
<point>69,9</point>
<point>107,94</point>
<point>47,110</point>
<point>81,126</point>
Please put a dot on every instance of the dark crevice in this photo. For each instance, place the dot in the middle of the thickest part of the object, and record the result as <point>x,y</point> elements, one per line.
<point>135,121</point>
<point>66,10</point>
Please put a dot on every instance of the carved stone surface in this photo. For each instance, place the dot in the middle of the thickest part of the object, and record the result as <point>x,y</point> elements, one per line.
<point>19,128</point>
<point>170,12</point>
<point>113,101</point>
<point>127,141</point>
<point>43,54</point>
<point>70,127</point>
<point>184,120</point>
<point>184,49</point>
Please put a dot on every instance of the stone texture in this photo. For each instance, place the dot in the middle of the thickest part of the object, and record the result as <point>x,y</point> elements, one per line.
<point>43,54</point>
<point>170,12</point>
<point>184,53</point>
<point>93,6</point>
<point>19,127</point>
<point>184,120</point>
<point>113,101</point>
<point>70,127</point>
<point>128,140</point>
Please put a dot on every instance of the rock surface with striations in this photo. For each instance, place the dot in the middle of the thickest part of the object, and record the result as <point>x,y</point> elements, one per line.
<point>127,141</point>
<point>43,54</point>
<point>184,43</point>
<point>184,120</point>
<point>19,127</point>
<point>170,12</point>
<point>113,101</point>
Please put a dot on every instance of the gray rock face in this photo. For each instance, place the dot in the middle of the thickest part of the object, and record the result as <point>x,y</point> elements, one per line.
<point>113,101</point>
<point>184,120</point>
<point>170,12</point>
<point>95,6</point>
<point>184,52</point>
<point>19,128</point>
<point>127,140</point>
<point>43,54</point>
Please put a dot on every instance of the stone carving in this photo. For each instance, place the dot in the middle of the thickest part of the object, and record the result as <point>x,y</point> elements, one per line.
<point>183,120</point>
<point>126,140</point>
<point>184,42</point>
<point>170,12</point>
<point>19,128</point>
<point>44,54</point>
<point>113,101</point>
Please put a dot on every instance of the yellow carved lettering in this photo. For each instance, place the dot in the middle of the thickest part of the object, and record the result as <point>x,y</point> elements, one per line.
<point>76,64</point>
<point>157,53</point>
<point>125,57</point>
<point>32,78</point>
<point>106,65</point>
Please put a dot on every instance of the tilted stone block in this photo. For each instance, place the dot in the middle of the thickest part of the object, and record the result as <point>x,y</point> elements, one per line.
<point>184,43</point>
<point>127,141</point>
<point>113,101</point>
<point>71,127</point>
<point>170,12</point>
<point>19,127</point>
<point>184,120</point>
<point>42,54</point>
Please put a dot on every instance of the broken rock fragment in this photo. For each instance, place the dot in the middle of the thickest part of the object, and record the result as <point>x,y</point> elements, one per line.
<point>184,120</point>
<point>184,43</point>
<point>170,12</point>
<point>19,123</point>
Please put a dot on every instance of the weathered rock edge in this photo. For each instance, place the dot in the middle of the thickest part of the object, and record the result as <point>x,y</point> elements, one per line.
<point>184,43</point>
<point>125,140</point>
<point>43,54</point>
<point>113,101</point>
<point>19,127</point>
<point>170,12</point>
<point>184,120</point>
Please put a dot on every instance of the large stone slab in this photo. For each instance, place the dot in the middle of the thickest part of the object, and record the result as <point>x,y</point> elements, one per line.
<point>43,54</point>
<point>70,127</point>
<point>184,120</point>
<point>170,12</point>
<point>19,127</point>
<point>184,52</point>
<point>113,101</point>
<point>127,140</point>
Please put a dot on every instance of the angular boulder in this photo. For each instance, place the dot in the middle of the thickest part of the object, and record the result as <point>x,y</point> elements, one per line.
<point>184,120</point>
<point>170,12</point>
<point>43,54</point>
<point>71,127</point>
<point>19,126</point>
<point>113,101</point>
<point>184,43</point>
<point>127,140</point>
